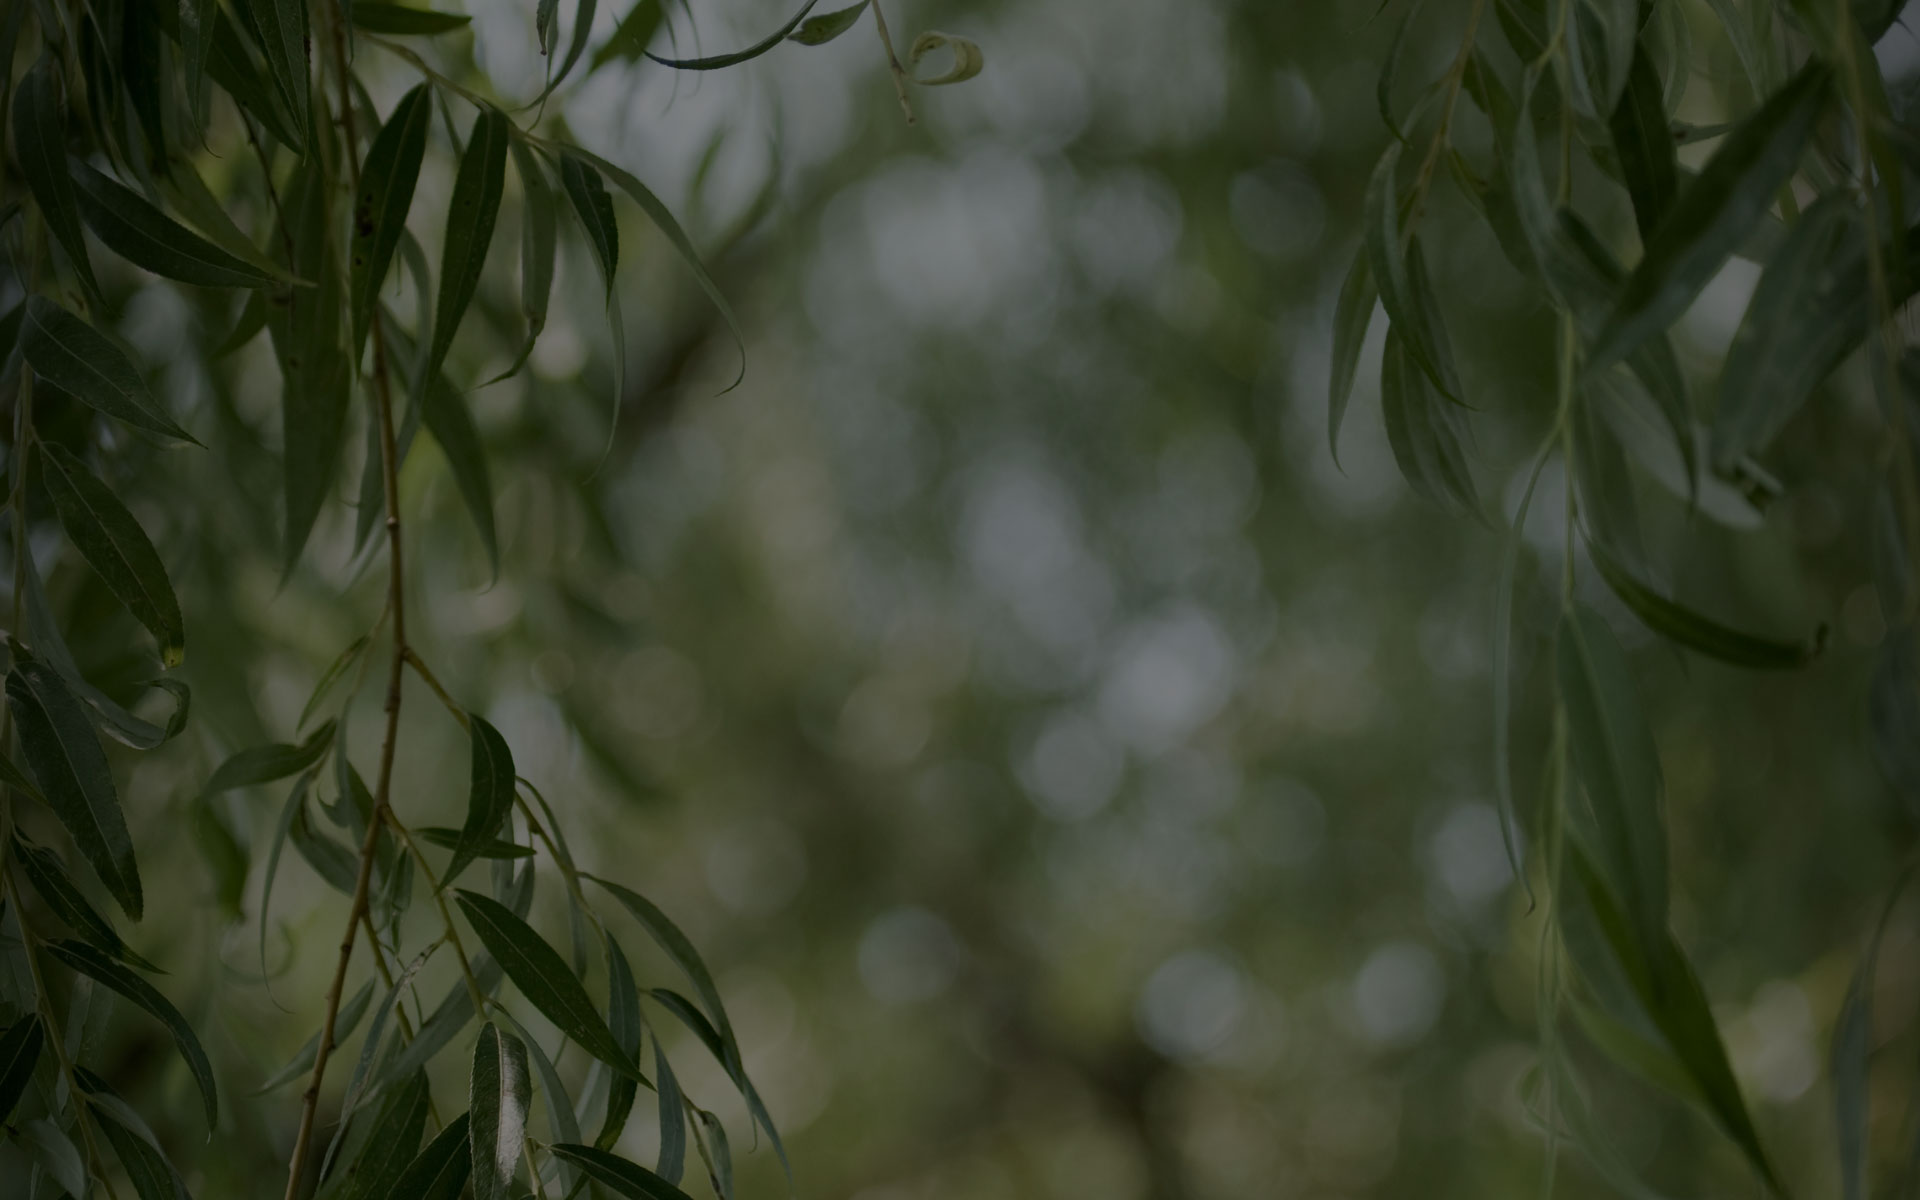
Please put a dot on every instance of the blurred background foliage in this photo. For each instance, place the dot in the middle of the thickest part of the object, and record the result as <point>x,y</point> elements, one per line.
<point>1080,784</point>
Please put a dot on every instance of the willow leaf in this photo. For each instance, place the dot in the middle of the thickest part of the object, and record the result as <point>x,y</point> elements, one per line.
<point>92,963</point>
<point>345,1022</point>
<point>64,755</point>
<point>1714,214</point>
<point>469,231</point>
<point>399,20</point>
<point>1390,256</point>
<point>19,1053</point>
<point>150,239</point>
<point>264,764</point>
<point>115,546</point>
<point>1426,433</point>
<point>395,1142</point>
<point>739,56</point>
<point>152,1176</point>
<point>40,145</point>
<point>386,193</point>
<point>818,31</point>
<point>282,26</point>
<point>631,37</point>
<point>440,1171</point>
<point>623,1017</point>
<point>1691,629</point>
<point>497,1096</point>
<point>625,1178</point>
<point>594,208</point>
<point>489,796</point>
<point>1644,142</point>
<point>1352,314</point>
<point>444,412</point>
<point>76,358</point>
<point>56,889</point>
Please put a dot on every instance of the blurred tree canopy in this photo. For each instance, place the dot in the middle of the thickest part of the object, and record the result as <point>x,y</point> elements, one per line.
<point>1207,499</point>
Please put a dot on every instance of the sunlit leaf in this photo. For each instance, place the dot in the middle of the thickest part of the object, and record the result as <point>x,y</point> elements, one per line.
<point>818,31</point>
<point>64,756</point>
<point>76,358</point>
<point>401,20</point>
<point>489,799</point>
<point>968,61</point>
<point>469,231</point>
<point>544,979</point>
<point>1714,214</point>
<point>92,963</point>
<point>625,1178</point>
<point>497,1096</point>
<point>386,193</point>
<point>739,56</point>
<point>19,1053</point>
<point>115,546</point>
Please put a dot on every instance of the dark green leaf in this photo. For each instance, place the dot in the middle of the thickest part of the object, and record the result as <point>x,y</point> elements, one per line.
<point>395,1142</point>
<point>115,546</point>
<point>497,1108</point>
<point>290,811</point>
<point>90,962</point>
<point>231,65</point>
<point>539,243</point>
<point>149,238</point>
<point>1676,621</point>
<point>152,1176</point>
<point>328,679</point>
<point>544,979</point>
<point>450,838</point>
<point>112,719</point>
<point>76,358</point>
<point>362,1079</point>
<point>489,798</point>
<point>19,1053</point>
<point>264,764</point>
<point>401,21</point>
<point>1351,317</point>
<point>1401,282</point>
<point>1618,767</point>
<point>50,880</point>
<point>282,27</point>
<point>739,56</point>
<point>663,220</point>
<point>1427,434</point>
<point>818,31</point>
<point>444,412</point>
<point>66,760</point>
<point>625,1178</point>
<point>12,776</point>
<point>672,1163</point>
<point>1714,214</point>
<point>594,208</point>
<point>469,231</point>
<point>632,36</point>
<point>345,1022</point>
<point>1644,142</point>
<point>331,861</point>
<point>386,193</point>
<point>711,1038</point>
<point>440,1171</point>
<point>40,152</point>
<point>443,1024</point>
<point>55,1154</point>
<point>623,1017</point>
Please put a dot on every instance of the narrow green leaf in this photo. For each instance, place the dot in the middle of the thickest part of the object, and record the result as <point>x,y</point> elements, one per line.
<point>64,755</point>
<point>1351,317</point>
<point>1618,768</point>
<point>57,890</point>
<point>386,193</point>
<point>594,207</point>
<point>448,839</point>
<point>1644,142</point>
<point>664,222</point>
<point>152,1176</point>
<point>1426,433</point>
<point>361,1082</point>
<point>55,1154</point>
<point>264,764</point>
<point>115,546</point>
<point>583,14</point>
<point>710,1136</point>
<point>40,152</point>
<point>469,231</point>
<point>739,56</point>
<point>345,1022</point>
<point>623,1017</point>
<point>1714,214</point>
<point>399,20</point>
<point>539,244</point>
<point>333,674</point>
<point>444,412</point>
<point>282,26</point>
<point>395,1142</point>
<point>232,65</point>
<point>90,962</point>
<point>562,1124</point>
<point>497,1097</point>
<point>672,1163</point>
<point>150,239</point>
<point>625,1178</point>
<point>631,37</point>
<point>718,1046</point>
<point>440,1171</point>
<point>1391,256</point>
<point>76,358</point>
<point>1681,624</point>
<point>338,865</point>
<point>19,1053</point>
<point>818,31</point>
<point>968,61</point>
<point>443,1024</point>
<point>489,797</point>
<point>544,979</point>
<point>111,718</point>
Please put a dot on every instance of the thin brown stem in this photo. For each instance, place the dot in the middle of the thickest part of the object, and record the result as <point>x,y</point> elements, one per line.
<point>894,68</point>
<point>396,590</point>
